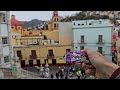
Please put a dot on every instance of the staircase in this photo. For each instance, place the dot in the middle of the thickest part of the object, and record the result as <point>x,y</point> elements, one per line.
<point>24,74</point>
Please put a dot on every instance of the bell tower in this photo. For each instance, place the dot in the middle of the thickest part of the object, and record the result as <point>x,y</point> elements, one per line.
<point>55,20</point>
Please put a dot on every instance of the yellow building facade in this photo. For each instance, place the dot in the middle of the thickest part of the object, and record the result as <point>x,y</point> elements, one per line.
<point>42,54</point>
<point>118,51</point>
<point>34,47</point>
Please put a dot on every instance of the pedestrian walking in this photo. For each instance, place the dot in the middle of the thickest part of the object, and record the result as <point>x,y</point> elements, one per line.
<point>79,74</point>
<point>57,75</point>
<point>52,76</point>
<point>61,75</point>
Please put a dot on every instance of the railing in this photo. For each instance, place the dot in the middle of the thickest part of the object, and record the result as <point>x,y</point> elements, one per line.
<point>28,74</point>
<point>33,56</point>
<point>100,42</point>
<point>50,56</point>
<point>7,73</point>
<point>24,74</point>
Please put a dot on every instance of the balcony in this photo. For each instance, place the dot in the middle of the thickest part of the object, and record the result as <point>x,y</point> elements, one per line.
<point>33,56</point>
<point>82,42</point>
<point>50,56</point>
<point>100,42</point>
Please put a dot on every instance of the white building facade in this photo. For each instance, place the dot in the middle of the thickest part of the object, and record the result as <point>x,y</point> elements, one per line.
<point>6,49</point>
<point>94,34</point>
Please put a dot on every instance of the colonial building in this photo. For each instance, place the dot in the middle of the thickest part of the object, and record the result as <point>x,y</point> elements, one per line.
<point>5,40</point>
<point>16,25</point>
<point>34,55</point>
<point>34,47</point>
<point>92,34</point>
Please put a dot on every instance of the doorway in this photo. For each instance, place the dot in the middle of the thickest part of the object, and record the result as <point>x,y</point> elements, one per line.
<point>38,62</point>
<point>31,63</point>
<point>22,63</point>
<point>45,61</point>
<point>53,61</point>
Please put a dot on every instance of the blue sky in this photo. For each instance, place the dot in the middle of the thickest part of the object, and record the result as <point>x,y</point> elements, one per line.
<point>41,15</point>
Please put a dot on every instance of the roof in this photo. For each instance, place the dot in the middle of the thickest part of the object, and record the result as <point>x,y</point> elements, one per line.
<point>15,22</point>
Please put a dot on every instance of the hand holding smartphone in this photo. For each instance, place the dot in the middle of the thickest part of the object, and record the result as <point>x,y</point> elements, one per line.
<point>77,57</point>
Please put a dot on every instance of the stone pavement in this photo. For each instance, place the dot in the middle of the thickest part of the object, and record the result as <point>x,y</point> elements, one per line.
<point>53,70</point>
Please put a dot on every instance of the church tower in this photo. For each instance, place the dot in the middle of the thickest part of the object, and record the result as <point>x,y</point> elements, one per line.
<point>55,20</point>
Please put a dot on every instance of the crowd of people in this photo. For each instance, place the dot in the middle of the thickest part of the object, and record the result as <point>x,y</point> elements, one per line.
<point>100,68</point>
<point>72,71</point>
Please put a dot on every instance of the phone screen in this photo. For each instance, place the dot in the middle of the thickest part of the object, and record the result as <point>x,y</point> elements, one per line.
<point>78,57</point>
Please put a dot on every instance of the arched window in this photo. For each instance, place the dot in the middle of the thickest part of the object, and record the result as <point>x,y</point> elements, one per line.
<point>57,19</point>
<point>56,14</point>
<point>55,25</point>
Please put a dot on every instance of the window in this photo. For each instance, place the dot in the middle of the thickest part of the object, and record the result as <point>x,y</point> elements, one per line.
<point>5,40</point>
<point>50,52</point>
<point>100,49</point>
<point>99,38</point>
<point>6,59</point>
<point>3,18</point>
<point>33,52</point>
<point>56,14</point>
<point>57,19</point>
<point>82,39</point>
<point>78,24</point>
<point>54,25</point>
<point>45,37</point>
<point>82,24</point>
<point>19,28</point>
<point>90,23</point>
<point>67,50</point>
<point>19,53</point>
<point>81,47</point>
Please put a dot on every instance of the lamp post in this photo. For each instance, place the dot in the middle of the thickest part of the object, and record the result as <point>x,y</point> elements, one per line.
<point>16,68</point>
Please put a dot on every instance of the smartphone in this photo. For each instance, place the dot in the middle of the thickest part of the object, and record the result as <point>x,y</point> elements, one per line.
<point>76,57</point>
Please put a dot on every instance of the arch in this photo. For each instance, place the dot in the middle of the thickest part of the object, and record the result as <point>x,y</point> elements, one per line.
<point>55,25</point>
<point>57,19</point>
<point>54,19</point>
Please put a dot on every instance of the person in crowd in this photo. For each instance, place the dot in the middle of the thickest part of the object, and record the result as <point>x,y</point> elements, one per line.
<point>52,76</point>
<point>57,75</point>
<point>78,73</point>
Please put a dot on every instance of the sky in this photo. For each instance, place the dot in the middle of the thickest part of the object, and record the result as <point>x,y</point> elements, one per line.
<point>41,15</point>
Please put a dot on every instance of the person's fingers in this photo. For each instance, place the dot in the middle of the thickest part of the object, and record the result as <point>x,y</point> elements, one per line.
<point>90,67</point>
<point>90,71</point>
<point>86,50</point>
<point>83,65</point>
